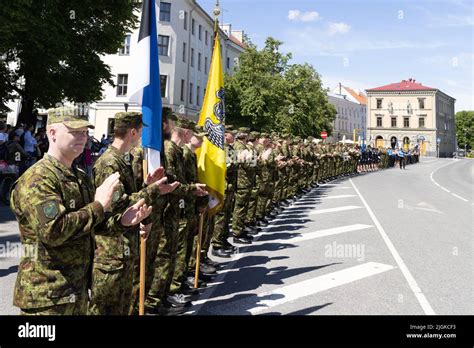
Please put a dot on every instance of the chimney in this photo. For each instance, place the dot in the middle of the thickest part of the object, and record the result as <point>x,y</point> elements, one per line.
<point>340,88</point>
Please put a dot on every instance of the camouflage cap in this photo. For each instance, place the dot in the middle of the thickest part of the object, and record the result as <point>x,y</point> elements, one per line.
<point>255,134</point>
<point>310,138</point>
<point>245,130</point>
<point>128,120</point>
<point>69,116</point>
<point>168,114</point>
<point>199,131</point>
<point>264,135</point>
<point>183,122</point>
<point>229,127</point>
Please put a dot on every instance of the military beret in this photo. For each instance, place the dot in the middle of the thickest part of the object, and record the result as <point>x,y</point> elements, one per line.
<point>69,116</point>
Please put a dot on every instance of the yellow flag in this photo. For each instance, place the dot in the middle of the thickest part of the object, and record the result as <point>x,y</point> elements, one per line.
<point>211,156</point>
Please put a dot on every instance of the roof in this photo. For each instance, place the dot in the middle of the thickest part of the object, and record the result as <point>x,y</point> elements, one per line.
<point>404,85</point>
<point>236,41</point>
<point>360,97</point>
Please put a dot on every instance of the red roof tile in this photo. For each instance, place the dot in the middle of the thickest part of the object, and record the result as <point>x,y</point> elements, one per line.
<point>361,98</point>
<point>404,85</point>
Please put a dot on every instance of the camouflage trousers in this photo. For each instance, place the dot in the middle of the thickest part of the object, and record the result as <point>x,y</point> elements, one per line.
<point>113,290</point>
<point>252,207</point>
<point>152,245</point>
<point>242,197</point>
<point>187,232</point>
<point>165,260</point>
<point>265,195</point>
<point>221,228</point>
<point>79,307</point>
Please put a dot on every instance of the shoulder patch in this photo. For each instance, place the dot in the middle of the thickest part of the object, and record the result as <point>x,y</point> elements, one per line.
<point>48,210</point>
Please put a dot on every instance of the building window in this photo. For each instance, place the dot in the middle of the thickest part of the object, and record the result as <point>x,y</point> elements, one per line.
<point>122,84</point>
<point>163,45</point>
<point>200,32</point>
<point>192,57</point>
<point>182,90</point>
<point>406,122</point>
<point>205,65</point>
<point>379,121</point>
<point>191,93</point>
<point>394,122</point>
<point>421,122</point>
<point>184,52</point>
<point>228,63</point>
<point>163,79</point>
<point>379,103</point>
<point>199,61</point>
<point>193,24</point>
<point>421,103</point>
<point>125,49</point>
<point>198,95</point>
<point>165,12</point>
<point>206,38</point>
<point>185,21</point>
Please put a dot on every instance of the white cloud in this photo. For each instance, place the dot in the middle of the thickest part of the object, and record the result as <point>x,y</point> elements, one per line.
<point>338,28</point>
<point>297,15</point>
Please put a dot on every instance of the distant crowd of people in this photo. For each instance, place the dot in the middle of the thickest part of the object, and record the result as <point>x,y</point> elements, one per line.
<point>22,146</point>
<point>371,159</point>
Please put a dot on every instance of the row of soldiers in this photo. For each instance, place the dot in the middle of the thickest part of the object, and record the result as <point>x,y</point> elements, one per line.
<point>86,231</point>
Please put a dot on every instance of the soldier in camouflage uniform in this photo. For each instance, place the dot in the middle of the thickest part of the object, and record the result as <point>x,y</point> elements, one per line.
<point>245,182</point>
<point>267,159</point>
<point>220,246</point>
<point>160,300</point>
<point>250,219</point>
<point>116,260</point>
<point>57,210</point>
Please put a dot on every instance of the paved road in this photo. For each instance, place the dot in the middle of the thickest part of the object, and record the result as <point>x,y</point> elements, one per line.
<point>390,242</point>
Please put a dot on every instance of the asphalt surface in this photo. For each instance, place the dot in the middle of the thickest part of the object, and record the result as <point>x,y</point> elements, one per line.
<point>388,242</point>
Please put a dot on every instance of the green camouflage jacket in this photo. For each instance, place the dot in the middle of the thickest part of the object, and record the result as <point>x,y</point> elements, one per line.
<point>56,212</point>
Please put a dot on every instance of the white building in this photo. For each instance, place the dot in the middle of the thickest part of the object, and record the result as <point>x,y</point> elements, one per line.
<point>185,40</point>
<point>351,106</point>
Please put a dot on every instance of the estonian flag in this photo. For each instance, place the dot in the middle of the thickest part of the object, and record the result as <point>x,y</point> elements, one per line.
<point>145,83</point>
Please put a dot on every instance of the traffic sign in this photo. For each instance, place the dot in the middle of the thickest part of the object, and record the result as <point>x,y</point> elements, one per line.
<point>324,135</point>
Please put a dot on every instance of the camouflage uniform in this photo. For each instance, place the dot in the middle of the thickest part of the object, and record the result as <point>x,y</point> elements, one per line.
<point>57,214</point>
<point>250,219</point>
<point>245,182</point>
<point>117,255</point>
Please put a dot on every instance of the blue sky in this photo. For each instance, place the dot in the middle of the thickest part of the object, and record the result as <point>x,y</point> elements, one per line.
<point>369,43</point>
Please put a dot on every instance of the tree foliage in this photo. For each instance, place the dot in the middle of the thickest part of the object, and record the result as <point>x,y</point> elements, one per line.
<point>465,129</point>
<point>267,93</point>
<point>51,50</point>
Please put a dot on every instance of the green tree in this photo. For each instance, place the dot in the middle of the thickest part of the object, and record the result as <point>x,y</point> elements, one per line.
<point>465,129</point>
<point>266,93</point>
<point>50,50</point>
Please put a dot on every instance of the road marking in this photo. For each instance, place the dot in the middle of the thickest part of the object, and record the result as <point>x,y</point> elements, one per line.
<point>443,188</point>
<point>332,210</point>
<point>339,196</point>
<point>464,199</point>
<point>292,292</point>
<point>406,273</point>
<point>317,234</point>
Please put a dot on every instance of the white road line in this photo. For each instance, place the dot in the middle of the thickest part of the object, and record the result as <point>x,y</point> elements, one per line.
<point>464,199</point>
<point>339,196</point>
<point>332,210</point>
<point>443,188</point>
<point>406,273</point>
<point>315,285</point>
<point>318,234</point>
<point>341,188</point>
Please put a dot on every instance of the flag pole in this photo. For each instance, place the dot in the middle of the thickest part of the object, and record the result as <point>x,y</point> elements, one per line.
<point>141,307</point>
<point>198,249</point>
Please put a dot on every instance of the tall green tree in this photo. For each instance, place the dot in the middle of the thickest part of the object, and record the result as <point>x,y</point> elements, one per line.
<point>465,129</point>
<point>50,50</point>
<point>268,93</point>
